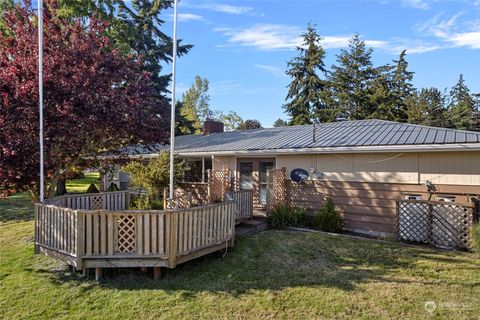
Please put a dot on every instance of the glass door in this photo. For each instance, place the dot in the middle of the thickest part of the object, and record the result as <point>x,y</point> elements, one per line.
<point>264,166</point>
<point>246,175</point>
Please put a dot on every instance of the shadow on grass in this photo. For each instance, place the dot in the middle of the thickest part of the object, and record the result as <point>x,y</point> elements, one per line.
<point>274,260</point>
<point>18,207</point>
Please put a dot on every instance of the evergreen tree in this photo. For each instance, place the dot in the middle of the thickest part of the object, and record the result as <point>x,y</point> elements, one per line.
<point>352,80</point>
<point>304,98</point>
<point>461,106</point>
<point>402,87</point>
<point>250,125</point>
<point>280,123</point>
<point>428,108</point>
<point>196,104</point>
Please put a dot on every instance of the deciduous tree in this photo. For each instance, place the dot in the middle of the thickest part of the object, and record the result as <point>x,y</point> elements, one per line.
<point>95,98</point>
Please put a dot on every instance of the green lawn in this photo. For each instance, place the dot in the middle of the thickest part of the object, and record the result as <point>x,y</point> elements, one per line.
<point>273,274</point>
<point>81,185</point>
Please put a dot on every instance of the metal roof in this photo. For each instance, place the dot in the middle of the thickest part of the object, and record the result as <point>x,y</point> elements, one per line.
<point>346,134</point>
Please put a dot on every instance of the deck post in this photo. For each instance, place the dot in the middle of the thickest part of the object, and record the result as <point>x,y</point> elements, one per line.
<point>157,273</point>
<point>79,238</point>
<point>98,274</point>
<point>172,250</point>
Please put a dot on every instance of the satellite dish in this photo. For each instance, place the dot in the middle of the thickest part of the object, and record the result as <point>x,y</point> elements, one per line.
<point>299,175</point>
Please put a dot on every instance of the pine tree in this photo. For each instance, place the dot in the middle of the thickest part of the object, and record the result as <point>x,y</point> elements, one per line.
<point>280,123</point>
<point>250,124</point>
<point>428,108</point>
<point>352,80</point>
<point>461,106</point>
<point>402,87</point>
<point>304,99</point>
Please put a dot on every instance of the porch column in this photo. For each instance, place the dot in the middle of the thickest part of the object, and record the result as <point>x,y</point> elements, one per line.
<point>203,169</point>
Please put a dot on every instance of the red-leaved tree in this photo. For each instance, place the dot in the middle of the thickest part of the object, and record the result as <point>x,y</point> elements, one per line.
<point>95,99</point>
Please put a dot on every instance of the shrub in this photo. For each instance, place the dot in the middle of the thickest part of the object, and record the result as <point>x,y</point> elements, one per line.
<point>284,216</point>
<point>328,218</point>
<point>92,188</point>
<point>476,237</point>
<point>112,187</point>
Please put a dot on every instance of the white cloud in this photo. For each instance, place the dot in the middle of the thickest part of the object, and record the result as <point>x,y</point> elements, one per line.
<point>274,71</point>
<point>437,27</point>
<point>264,36</point>
<point>270,37</point>
<point>218,7</point>
<point>453,32</point>
<point>184,17</point>
<point>465,39</point>
<point>416,4</point>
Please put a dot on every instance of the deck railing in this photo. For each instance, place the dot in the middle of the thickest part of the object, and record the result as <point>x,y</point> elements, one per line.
<point>127,238</point>
<point>244,203</point>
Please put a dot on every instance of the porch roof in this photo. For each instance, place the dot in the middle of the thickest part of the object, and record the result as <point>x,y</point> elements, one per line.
<point>347,136</point>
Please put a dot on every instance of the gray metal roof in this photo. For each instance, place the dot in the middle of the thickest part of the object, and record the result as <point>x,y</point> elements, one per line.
<point>362,133</point>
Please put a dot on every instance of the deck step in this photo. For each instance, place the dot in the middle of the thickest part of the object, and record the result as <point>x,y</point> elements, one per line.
<point>251,226</point>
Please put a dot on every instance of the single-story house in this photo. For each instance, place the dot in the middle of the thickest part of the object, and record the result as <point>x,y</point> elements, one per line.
<point>364,166</point>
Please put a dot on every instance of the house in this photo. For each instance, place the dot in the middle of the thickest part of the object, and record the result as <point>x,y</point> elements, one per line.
<point>364,166</point>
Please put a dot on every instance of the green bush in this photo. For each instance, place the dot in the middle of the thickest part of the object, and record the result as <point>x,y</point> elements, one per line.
<point>476,237</point>
<point>112,187</point>
<point>284,216</point>
<point>92,188</point>
<point>328,218</point>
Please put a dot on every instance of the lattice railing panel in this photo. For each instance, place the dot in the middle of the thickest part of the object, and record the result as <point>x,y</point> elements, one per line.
<point>126,234</point>
<point>96,202</point>
<point>219,183</point>
<point>276,188</point>
<point>442,224</point>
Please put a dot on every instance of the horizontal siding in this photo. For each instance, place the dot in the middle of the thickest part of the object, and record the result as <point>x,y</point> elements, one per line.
<point>443,168</point>
<point>368,206</point>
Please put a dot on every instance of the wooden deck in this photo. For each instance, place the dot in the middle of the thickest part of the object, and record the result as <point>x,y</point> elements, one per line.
<point>97,231</point>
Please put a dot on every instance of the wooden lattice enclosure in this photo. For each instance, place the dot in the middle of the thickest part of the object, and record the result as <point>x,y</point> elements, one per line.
<point>276,188</point>
<point>219,182</point>
<point>441,224</point>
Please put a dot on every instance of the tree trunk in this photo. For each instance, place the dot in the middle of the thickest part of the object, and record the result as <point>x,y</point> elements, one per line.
<point>61,188</point>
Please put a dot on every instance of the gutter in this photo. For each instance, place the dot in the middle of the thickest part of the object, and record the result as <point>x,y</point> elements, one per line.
<point>330,150</point>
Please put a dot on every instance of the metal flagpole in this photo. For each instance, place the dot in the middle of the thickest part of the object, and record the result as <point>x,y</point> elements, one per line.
<point>40,95</point>
<point>172,120</point>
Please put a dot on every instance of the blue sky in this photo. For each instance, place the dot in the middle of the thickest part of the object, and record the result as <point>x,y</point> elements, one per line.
<point>242,47</point>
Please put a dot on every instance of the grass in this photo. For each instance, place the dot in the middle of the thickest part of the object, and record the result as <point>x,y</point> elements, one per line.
<point>81,185</point>
<point>273,274</point>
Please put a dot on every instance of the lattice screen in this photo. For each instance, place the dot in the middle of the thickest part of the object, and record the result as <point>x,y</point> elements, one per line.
<point>276,188</point>
<point>126,235</point>
<point>96,202</point>
<point>442,224</point>
<point>218,183</point>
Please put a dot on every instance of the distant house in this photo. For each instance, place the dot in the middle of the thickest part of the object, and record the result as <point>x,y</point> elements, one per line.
<point>365,166</point>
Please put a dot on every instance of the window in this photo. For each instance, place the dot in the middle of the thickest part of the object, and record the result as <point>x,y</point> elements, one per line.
<point>446,198</point>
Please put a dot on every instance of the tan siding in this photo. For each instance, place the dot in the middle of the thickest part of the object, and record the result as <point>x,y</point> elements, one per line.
<point>460,168</point>
<point>223,163</point>
<point>449,168</point>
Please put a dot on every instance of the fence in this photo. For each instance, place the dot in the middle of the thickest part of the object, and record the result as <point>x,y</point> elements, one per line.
<point>181,199</point>
<point>125,238</point>
<point>218,184</point>
<point>276,188</point>
<point>244,203</point>
<point>441,224</point>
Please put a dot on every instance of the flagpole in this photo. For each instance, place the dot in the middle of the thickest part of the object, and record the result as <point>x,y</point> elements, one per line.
<point>172,116</point>
<point>40,96</point>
